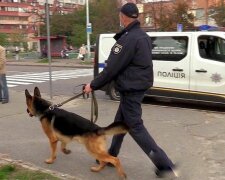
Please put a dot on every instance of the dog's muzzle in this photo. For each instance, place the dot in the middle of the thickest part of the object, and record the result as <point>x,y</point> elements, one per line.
<point>31,115</point>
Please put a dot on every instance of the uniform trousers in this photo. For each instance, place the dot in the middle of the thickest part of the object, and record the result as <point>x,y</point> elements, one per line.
<point>130,112</point>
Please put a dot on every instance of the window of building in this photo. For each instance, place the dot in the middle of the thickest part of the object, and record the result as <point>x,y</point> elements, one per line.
<point>169,48</point>
<point>148,20</point>
<point>74,1</point>
<point>23,10</point>
<point>82,1</point>
<point>212,47</point>
<point>2,8</point>
<point>12,9</point>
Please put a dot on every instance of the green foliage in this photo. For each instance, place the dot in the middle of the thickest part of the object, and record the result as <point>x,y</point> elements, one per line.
<point>17,172</point>
<point>3,39</point>
<point>103,16</point>
<point>17,38</point>
<point>6,170</point>
<point>45,60</point>
<point>182,16</point>
<point>218,13</point>
<point>79,35</point>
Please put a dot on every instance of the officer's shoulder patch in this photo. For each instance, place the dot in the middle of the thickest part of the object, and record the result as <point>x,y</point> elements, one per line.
<point>117,48</point>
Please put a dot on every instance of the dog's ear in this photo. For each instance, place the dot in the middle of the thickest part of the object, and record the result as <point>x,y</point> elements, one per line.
<point>37,92</point>
<point>27,94</point>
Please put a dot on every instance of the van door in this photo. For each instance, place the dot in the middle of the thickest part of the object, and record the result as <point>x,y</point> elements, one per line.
<point>106,42</point>
<point>171,61</point>
<point>208,66</point>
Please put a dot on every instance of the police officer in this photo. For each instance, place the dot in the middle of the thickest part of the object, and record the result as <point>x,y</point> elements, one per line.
<point>130,66</point>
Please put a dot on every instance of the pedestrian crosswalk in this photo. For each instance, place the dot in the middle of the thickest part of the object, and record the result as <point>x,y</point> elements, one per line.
<point>32,78</point>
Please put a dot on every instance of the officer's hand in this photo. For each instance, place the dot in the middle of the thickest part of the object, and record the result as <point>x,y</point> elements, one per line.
<point>87,88</point>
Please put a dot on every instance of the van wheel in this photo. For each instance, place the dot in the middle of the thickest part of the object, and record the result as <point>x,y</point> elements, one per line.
<point>113,93</point>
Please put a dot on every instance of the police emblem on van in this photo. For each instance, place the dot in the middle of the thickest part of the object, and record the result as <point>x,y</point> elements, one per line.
<point>216,78</point>
<point>117,48</point>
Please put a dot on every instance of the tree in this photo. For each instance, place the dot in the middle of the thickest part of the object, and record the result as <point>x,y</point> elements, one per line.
<point>177,12</point>
<point>103,16</point>
<point>181,15</point>
<point>3,39</point>
<point>79,37</point>
<point>161,20</point>
<point>17,39</point>
<point>218,13</point>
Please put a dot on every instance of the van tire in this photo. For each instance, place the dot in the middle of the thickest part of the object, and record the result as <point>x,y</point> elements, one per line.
<point>113,93</point>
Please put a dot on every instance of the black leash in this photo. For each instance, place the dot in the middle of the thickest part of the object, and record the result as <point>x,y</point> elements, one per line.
<point>94,104</point>
<point>52,107</point>
<point>94,108</point>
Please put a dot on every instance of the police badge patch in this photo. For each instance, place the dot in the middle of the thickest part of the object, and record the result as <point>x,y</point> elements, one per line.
<point>216,77</point>
<point>117,48</point>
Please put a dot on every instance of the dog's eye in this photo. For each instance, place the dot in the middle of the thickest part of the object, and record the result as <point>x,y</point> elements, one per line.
<point>28,111</point>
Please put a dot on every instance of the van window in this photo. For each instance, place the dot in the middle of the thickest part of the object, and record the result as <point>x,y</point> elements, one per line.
<point>212,47</point>
<point>169,48</point>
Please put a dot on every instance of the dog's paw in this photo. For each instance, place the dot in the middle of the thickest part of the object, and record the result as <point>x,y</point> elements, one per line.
<point>66,151</point>
<point>96,168</point>
<point>123,177</point>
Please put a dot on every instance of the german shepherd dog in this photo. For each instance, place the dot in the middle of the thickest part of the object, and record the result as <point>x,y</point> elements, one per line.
<point>64,126</point>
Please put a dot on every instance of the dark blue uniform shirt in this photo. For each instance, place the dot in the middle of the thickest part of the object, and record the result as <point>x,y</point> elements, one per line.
<point>130,61</point>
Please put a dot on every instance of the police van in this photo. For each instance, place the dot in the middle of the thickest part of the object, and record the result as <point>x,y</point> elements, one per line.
<point>187,65</point>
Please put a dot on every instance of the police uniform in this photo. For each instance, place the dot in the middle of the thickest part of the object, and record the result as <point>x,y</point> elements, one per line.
<point>130,66</point>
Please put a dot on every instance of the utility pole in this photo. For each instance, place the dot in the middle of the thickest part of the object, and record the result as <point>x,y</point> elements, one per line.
<point>49,47</point>
<point>88,29</point>
<point>206,11</point>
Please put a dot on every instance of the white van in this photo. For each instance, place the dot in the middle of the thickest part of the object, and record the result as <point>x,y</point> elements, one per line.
<point>187,65</point>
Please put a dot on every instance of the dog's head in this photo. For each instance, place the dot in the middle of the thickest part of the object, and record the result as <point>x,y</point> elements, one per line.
<point>30,101</point>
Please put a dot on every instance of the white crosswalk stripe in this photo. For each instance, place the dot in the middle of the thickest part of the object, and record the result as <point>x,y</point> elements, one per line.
<point>32,78</point>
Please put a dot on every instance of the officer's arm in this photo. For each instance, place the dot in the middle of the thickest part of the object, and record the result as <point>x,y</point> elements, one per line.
<point>120,56</point>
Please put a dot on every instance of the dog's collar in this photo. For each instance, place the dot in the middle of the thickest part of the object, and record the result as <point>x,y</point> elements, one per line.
<point>52,107</point>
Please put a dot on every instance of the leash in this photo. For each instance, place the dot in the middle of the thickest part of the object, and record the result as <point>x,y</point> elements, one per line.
<point>94,104</point>
<point>94,108</point>
<point>52,107</point>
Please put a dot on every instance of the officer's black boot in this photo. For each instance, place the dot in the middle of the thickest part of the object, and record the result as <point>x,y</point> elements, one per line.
<point>164,166</point>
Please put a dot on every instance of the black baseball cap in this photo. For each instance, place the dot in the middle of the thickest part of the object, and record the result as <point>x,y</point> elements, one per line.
<point>130,10</point>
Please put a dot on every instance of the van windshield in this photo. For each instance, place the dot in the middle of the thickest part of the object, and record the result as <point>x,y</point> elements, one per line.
<point>212,47</point>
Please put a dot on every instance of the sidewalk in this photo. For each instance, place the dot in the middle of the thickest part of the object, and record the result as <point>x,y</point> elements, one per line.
<point>195,139</point>
<point>196,143</point>
<point>72,63</point>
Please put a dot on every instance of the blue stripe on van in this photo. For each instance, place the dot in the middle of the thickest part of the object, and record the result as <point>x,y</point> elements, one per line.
<point>101,65</point>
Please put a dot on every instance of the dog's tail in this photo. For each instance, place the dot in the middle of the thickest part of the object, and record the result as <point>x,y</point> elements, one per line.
<point>114,128</point>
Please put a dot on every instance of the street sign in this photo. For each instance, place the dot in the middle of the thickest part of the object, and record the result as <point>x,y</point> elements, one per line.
<point>89,28</point>
<point>179,27</point>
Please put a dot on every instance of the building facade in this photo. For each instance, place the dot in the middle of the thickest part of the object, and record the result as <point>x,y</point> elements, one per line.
<point>21,19</point>
<point>199,8</point>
